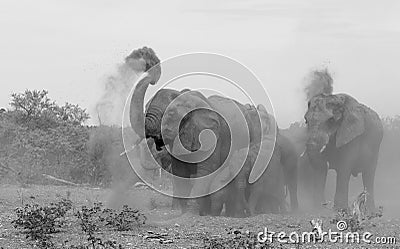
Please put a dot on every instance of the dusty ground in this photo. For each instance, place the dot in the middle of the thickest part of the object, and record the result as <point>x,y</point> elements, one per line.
<point>186,231</point>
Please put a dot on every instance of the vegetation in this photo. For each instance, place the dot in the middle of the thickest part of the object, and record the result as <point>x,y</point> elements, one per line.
<point>40,223</point>
<point>39,137</point>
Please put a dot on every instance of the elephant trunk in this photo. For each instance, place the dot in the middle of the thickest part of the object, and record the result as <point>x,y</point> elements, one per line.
<point>136,108</point>
<point>317,139</point>
<point>153,121</point>
<point>143,59</point>
<point>320,169</point>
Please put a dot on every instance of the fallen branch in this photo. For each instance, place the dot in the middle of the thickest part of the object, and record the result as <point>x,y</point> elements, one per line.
<point>60,180</point>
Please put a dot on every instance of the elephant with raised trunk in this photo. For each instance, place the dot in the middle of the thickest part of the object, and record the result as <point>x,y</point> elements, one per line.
<point>343,135</point>
<point>172,114</point>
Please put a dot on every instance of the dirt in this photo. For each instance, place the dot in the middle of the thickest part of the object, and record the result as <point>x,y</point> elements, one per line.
<point>166,228</point>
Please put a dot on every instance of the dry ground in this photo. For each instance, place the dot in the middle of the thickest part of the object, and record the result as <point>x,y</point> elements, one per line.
<point>186,231</point>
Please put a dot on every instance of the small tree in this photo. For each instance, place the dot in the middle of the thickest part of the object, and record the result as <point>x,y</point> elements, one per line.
<point>37,110</point>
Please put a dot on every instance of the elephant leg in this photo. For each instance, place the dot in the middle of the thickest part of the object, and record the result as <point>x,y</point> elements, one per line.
<point>230,206</point>
<point>202,185</point>
<point>294,203</point>
<point>217,201</point>
<point>204,205</point>
<point>175,203</point>
<point>282,206</point>
<point>180,187</point>
<point>291,182</point>
<point>200,188</point>
<point>342,188</point>
<point>253,199</point>
<point>233,204</point>
<point>319,185</point>
<point>368,181</point>
<point>238,195</point>
<point>275,205</point>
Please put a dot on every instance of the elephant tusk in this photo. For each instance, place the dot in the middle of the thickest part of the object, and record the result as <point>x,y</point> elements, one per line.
<point>127,151</point>
<point>302,154</point>
<point>322,149</point>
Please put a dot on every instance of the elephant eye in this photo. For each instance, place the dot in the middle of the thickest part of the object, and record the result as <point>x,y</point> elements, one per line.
<point>308,104</point>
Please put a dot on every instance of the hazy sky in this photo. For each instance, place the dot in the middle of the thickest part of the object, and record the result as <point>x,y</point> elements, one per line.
<point>69,47</point>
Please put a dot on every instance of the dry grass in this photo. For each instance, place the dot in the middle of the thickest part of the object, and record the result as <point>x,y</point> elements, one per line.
<point>166,228</point>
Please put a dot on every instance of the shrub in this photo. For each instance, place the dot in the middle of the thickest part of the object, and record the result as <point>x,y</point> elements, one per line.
<point>39,223</point>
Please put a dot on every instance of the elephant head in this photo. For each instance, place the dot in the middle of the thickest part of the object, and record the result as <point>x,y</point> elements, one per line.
<point>332,121</point>
<point>338,115</point>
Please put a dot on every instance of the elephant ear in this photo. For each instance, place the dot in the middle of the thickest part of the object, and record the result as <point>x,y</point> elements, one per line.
<point>190,132</point>
<point>187,116</point>
<point>353,124</point>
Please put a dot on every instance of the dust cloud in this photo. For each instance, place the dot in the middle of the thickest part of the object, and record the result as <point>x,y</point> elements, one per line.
<point>110,106</point>
<point>318,81</point>
<point>107,136</point>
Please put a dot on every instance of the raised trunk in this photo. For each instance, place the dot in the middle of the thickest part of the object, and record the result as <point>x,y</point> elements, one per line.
<point>136,108</point>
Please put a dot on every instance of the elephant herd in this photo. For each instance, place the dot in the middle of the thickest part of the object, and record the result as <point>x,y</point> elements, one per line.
<point>342,134</point>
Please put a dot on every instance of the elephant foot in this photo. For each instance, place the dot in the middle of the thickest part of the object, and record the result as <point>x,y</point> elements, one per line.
<point>341,208</point>
<point>179,204</point>
<point>183,205</point>
<point>294,207</point>
<point>175,204</point>
<point>203,213</point>
<point>318,204</point>
<point>371,208</point>
<point>241,215</point>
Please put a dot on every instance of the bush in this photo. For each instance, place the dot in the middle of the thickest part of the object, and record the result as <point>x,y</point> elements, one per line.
<point>93,219</point>
<point>39,223</point>
<point>124,220</point>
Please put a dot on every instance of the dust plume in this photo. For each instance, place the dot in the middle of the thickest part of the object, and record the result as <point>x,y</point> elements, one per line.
<point>318,81</point>
<point>106,141</point>
<point>110,106</point>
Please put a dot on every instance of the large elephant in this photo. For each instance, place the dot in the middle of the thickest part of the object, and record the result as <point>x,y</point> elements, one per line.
<point>343,135</point>
<point>187,115</point>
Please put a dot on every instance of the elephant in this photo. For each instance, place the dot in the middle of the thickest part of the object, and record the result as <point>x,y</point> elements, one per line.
<point>286,150</point>
<point>344,135</point>
<point>267,194</point>
<point>179,120</point>
<point>240,198</point>
<point>235,194</point>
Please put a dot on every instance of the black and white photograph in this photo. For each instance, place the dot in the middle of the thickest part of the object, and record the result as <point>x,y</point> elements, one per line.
<point>199,124</point>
